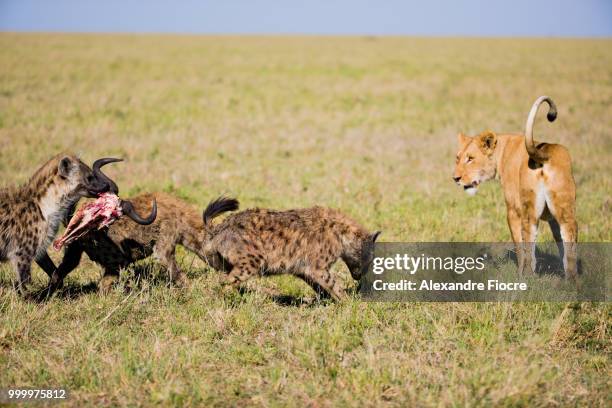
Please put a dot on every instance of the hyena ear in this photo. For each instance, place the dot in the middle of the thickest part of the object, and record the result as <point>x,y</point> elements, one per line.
<point>463,139</point>
<point>487,141</point>
<point>64,166</point>
<point>375,235</point>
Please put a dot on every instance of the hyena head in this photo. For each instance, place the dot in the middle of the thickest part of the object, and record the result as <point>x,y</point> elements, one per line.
<point>69,179</point>
<point>74,179</point>
<point>359,259</point>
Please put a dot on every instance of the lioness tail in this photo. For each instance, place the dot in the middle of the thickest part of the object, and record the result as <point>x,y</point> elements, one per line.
<point>532,150</point>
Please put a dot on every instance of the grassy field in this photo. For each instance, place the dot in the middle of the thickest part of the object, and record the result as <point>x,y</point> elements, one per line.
<point>367,125</point>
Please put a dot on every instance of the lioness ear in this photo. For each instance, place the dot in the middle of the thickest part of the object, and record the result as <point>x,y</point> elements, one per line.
<point>487,141</point>
<point>64,166</point>
<point>463,139</point>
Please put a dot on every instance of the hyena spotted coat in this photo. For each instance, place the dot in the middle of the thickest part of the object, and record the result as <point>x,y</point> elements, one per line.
<point>302,242</point>
<point>30,215</point>
<point>123,243</point>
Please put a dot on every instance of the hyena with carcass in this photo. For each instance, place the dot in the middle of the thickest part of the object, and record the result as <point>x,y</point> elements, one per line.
<point>302,242</point>
<point>30,215</point>
<point>121,244</point>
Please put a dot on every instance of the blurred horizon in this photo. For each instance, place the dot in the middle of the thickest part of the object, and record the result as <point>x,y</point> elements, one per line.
<point>436,18</point>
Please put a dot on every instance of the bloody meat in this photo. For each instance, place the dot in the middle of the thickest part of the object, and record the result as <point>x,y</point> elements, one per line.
<point>94,215</point>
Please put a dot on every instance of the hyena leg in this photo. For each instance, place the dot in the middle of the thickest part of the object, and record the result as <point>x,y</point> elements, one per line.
<point>323,279</point>
<point>319,290</point>
<point>242,270</point>
<point>72,258</point>
<point>46,264</point>
<point>110,277</point>
<point>165,252</point>
<point>22,266</point>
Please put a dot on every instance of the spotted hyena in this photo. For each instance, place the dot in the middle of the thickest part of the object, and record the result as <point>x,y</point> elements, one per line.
<point>30,215</point>
<point>301,242</point>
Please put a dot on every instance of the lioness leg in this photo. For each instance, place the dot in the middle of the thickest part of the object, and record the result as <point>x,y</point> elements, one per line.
<point>569,234</point>
<point>514,222</point>
<point>556,232</point>
<point>529,231</point>
<point>561,201</point>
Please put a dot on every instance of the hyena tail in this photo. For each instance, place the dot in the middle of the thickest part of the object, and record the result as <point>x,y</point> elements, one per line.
<point>534,153</point>
<point>367,252</point>
<point>218,207</point>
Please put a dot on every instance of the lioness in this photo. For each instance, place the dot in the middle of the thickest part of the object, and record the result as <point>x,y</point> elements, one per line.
<point>537,182</point>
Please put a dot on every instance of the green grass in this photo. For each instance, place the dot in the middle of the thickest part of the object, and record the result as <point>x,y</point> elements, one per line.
<point>367,125</point>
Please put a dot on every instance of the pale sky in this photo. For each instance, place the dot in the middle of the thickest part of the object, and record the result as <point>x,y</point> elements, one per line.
<point>565,18</point>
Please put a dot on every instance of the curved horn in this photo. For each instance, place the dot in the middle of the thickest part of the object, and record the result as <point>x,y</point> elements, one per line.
<point>551,116</point>
<point>98,173</point>
<point>128,209</point>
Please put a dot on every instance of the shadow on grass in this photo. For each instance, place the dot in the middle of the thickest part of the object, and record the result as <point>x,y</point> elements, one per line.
<point>546,263</point>
<point>67,292</point>
<point>148,275</point>
<point>136,277</point>
<point>286,300</point>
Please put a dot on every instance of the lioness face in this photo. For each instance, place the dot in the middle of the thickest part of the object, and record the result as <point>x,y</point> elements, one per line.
<point>475,162</point>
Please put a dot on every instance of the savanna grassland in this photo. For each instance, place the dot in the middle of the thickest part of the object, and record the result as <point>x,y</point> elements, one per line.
<point>367,125</point>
